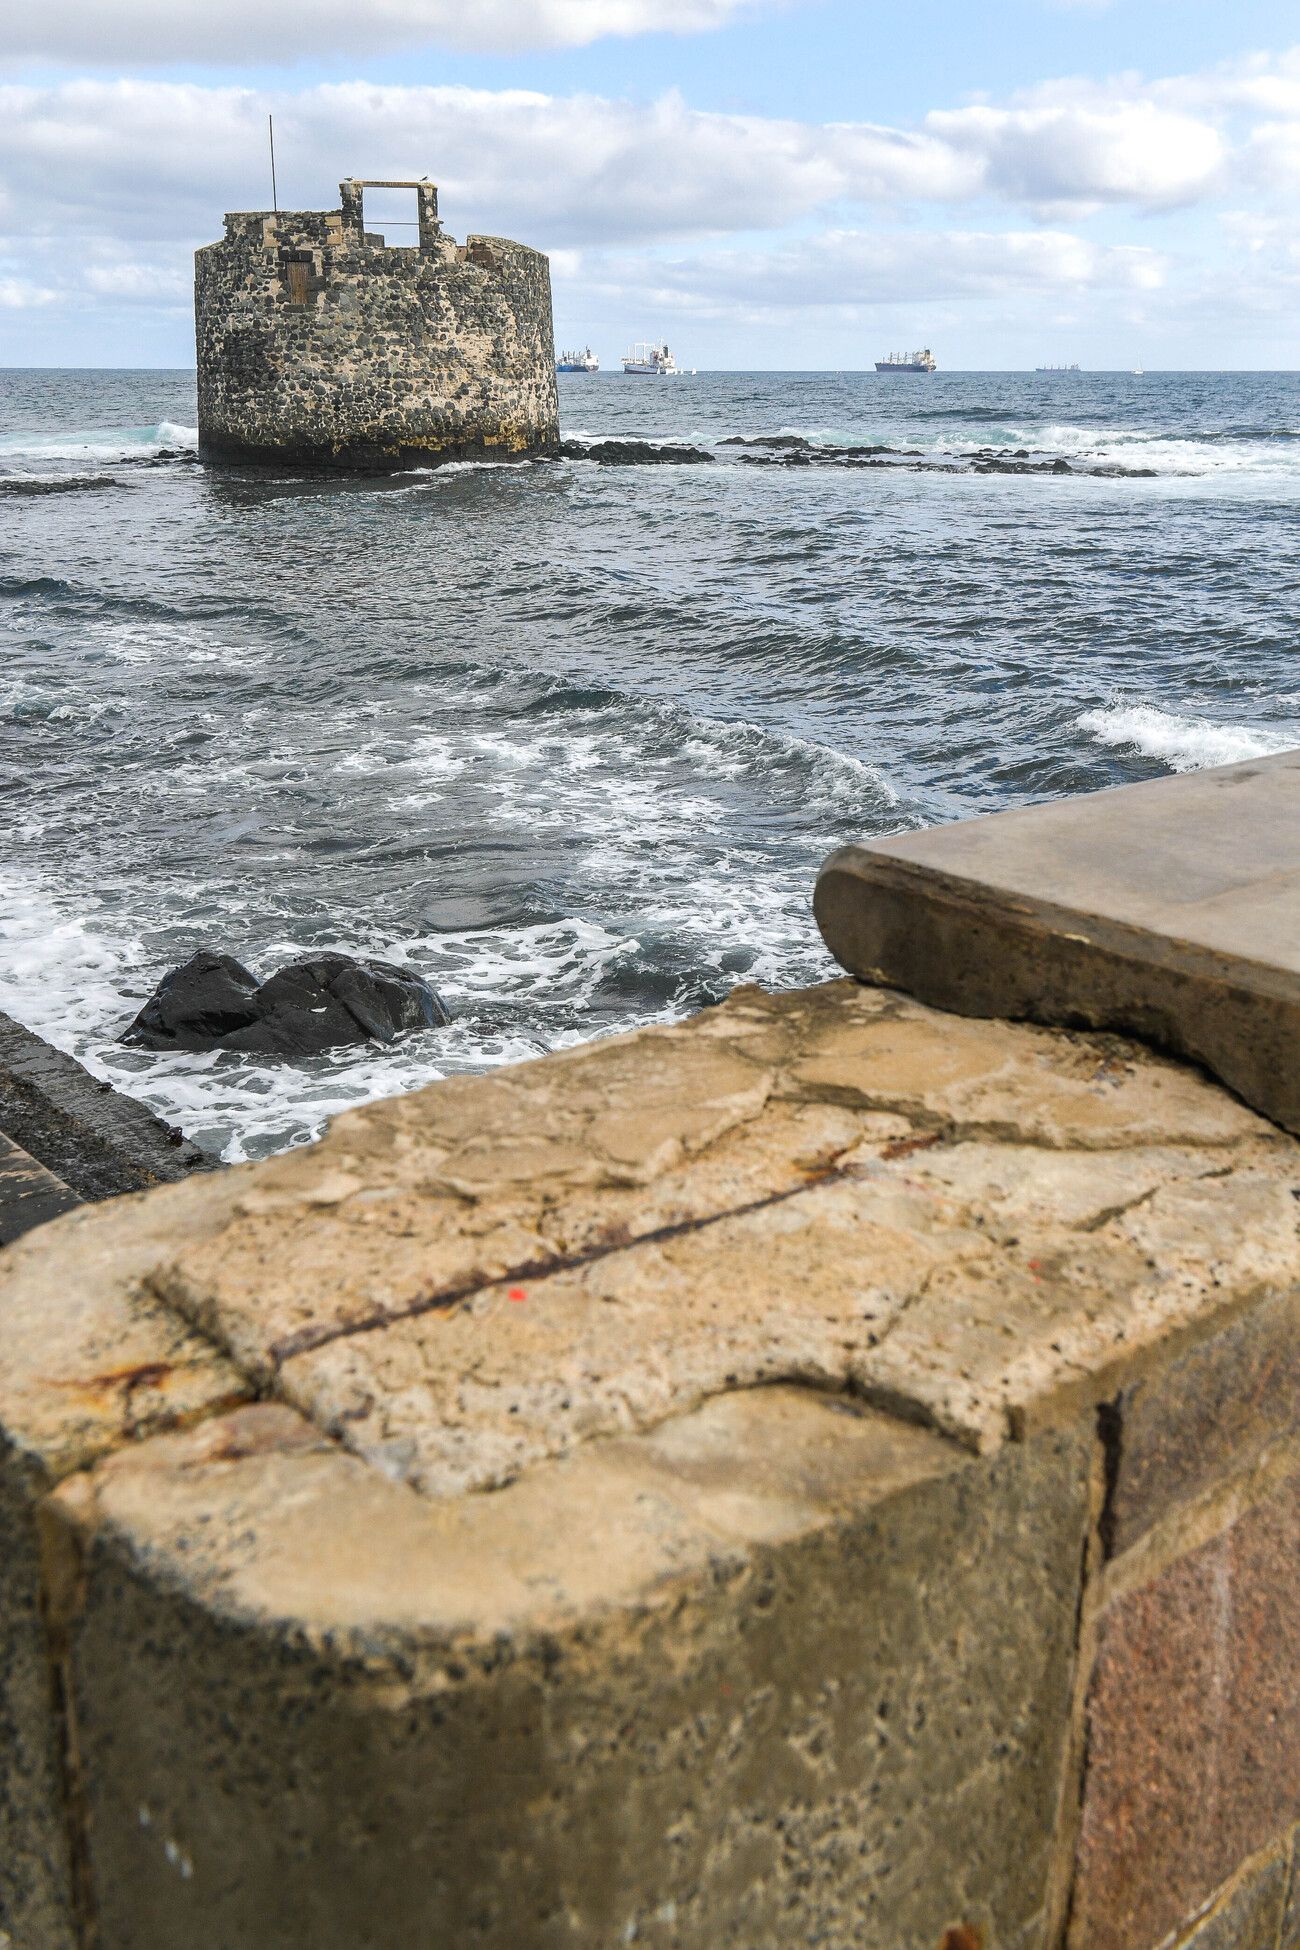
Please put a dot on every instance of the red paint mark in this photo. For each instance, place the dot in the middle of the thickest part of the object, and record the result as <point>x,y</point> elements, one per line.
<point>516,1293</point>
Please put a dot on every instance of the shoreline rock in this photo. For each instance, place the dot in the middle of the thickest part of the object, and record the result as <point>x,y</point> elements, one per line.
<point>322,1002</point>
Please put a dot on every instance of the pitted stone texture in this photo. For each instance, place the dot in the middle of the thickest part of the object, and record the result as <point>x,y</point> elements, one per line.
<point>691,1689</point>
<point>1193,1730</point>
<point>974,1223</point>
<point>319,346</point>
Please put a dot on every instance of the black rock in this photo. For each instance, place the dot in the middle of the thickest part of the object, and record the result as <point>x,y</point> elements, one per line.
<point>324,1002</point>
<point>632,453</point>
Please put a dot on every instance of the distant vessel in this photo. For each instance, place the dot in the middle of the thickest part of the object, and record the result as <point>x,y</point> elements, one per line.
<point>908,362</point>
<point>1056,368</point>
<point>651,361</point>
<point>584,361</point>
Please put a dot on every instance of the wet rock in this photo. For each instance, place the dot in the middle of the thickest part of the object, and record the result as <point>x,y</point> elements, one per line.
<point>212,1002</point>
<point>795,451</point>
<point>999,466</point>
<point>85,484</point>
<point>632,453</point>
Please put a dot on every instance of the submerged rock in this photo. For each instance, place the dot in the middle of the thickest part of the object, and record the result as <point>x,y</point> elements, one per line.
<point>212,1002</point>
<point>77,484</point>
<point>632,453</point>
<point>792,442</point>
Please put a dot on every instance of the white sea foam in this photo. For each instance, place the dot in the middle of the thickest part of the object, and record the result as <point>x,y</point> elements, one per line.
<point>1184,744</point>
<point>1190,455</point>
<point>99,443</point>
<point>74,979</point>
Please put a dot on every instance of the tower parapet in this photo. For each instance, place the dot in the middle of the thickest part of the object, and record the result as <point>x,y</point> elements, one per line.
<point>321,345</point>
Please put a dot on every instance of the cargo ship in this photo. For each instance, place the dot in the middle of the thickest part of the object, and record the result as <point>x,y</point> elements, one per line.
<point>650,361</point>
<point>908,362</point>
<point>584,361</point>
<point>1056,368</point>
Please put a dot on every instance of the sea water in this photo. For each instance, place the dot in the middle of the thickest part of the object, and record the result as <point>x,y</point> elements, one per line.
<point>571,739</point>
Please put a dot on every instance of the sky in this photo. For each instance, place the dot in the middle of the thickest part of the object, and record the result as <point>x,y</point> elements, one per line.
<point>768,184</point>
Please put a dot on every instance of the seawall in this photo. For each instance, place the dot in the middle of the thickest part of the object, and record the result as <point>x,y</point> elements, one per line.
<point>66,1137</point>
<point>827,1471</point>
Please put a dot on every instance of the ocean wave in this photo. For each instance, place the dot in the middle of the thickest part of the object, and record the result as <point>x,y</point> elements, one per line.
<point>1183,744</point>
<point>99,443</point>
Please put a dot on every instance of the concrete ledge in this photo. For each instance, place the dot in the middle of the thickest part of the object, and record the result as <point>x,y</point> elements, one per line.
<point>29,1195</point>
<point>824,1471</point>
<point>97,1140</point>
<point>1170,910</point>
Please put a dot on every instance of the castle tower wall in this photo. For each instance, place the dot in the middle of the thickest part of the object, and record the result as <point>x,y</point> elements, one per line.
<point>320,345</point>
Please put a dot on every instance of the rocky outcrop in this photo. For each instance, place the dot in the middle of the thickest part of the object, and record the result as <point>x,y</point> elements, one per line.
<point>212,1002</point>
<point>633,453</point>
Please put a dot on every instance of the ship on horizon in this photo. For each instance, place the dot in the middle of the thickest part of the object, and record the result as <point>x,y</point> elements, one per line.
<point>908,362</point>
<point>1074,368</point>
<point>650,361</point>
<point>584,361</point>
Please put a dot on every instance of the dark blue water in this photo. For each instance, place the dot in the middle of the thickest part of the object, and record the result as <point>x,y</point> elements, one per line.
<point>573,738</point>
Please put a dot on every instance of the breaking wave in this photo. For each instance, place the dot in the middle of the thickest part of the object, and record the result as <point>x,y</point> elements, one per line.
<point>1184,744</point>
<point>99,443</point>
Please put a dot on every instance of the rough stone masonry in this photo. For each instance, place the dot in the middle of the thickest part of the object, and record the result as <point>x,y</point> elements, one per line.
<point>319,345</point>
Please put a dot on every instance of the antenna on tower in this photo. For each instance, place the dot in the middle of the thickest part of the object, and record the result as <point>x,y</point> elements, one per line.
<point>270,130</point>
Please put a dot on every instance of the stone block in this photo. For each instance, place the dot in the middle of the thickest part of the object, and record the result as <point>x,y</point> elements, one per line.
<point>1248,1915</point>
<point>1193,1730</point>
<point>1166,909</point>
<point>668,1517</point>
<point>1211,1410</point>
<point>776,1672</point>
<point>87,1364</point>
<point>809,1187</point>
<point>1289,1935</point>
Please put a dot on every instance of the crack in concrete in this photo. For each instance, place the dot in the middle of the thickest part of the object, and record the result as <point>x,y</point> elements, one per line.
<point>444,1299</point>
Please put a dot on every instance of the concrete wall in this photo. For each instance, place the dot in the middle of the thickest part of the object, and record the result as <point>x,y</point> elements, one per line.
<point>823,1473</point>
<point>319,346</point>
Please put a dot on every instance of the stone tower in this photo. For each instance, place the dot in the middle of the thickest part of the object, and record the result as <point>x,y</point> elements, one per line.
<point>319,345</point>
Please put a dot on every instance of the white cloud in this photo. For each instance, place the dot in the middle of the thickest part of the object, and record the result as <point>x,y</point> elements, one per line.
<point>20,294</point>
<point>162,158</point>
<point>115,182</point>
<point>858,269</point>
<point>1062,154</point>
<point>150,32</point>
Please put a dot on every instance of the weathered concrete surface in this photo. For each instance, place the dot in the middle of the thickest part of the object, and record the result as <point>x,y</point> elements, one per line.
<point>29,1195</point>
<point>86,1364</point>
<point>318,345</point>
<point>838,1187</point>
<point>689,1505</point>
<point>1169,909</point>
<point>99,1141</point>
<point>553,1737</point>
